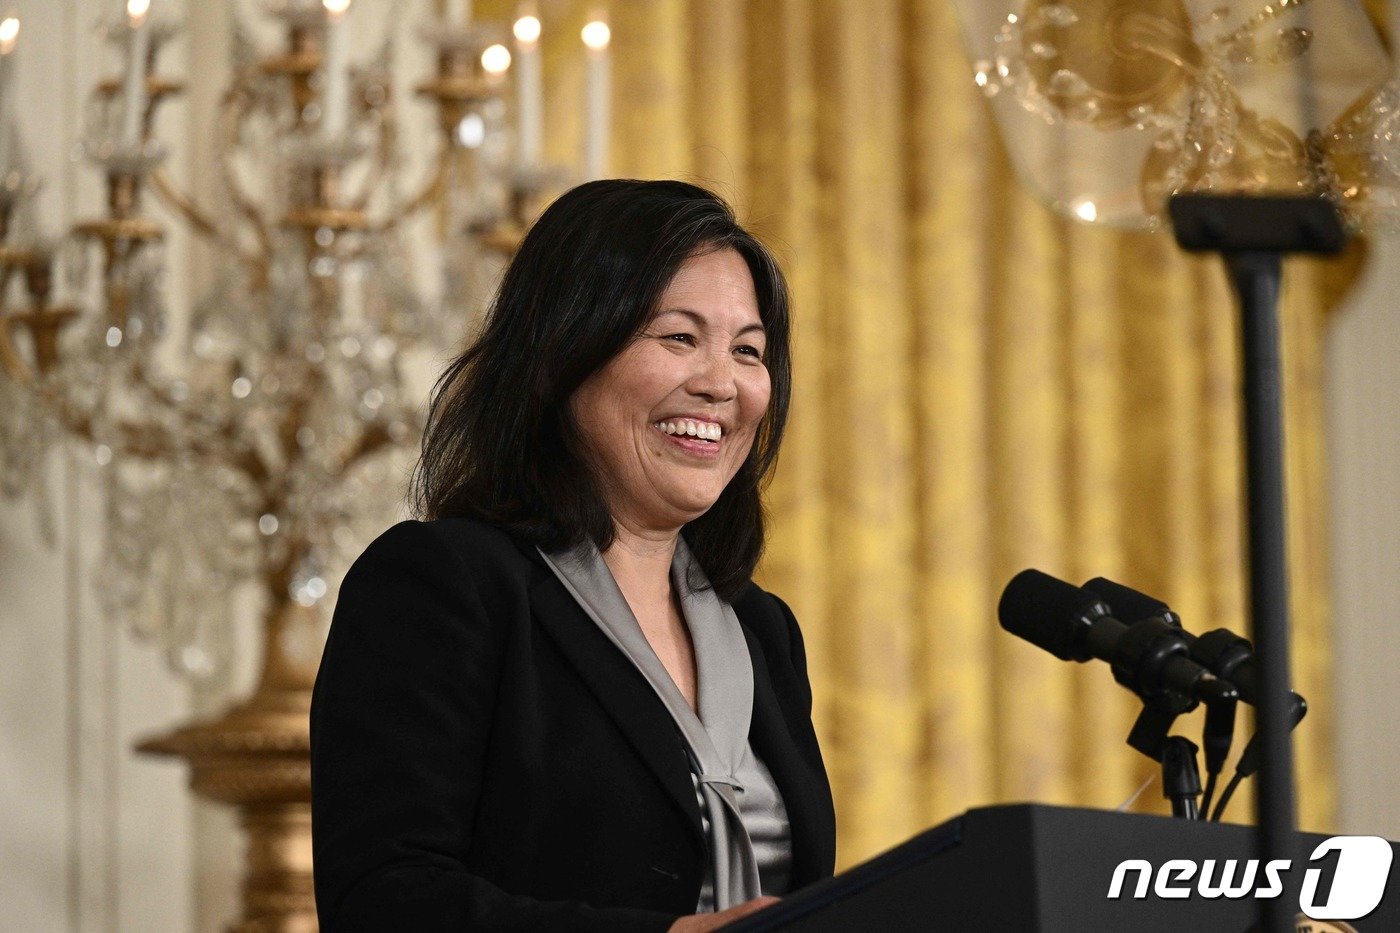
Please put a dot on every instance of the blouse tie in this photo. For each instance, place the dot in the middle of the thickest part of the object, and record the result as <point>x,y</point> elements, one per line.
<point>717,739</point>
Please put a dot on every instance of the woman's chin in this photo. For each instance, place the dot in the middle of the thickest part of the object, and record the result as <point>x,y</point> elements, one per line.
<point>688,508</point>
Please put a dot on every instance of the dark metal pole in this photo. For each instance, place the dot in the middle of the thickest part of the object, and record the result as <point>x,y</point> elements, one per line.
<point>1256,276</point>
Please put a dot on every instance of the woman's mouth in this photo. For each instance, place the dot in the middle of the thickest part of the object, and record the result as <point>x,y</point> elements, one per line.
<point>700,439</point>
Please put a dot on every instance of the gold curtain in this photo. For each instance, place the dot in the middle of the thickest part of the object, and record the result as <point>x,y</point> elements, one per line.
<point>980,387</point>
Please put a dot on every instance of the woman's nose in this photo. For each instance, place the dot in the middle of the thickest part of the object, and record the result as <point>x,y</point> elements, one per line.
<point>714,378</point>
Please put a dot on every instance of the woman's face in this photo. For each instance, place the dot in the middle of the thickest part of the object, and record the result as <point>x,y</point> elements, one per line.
<point>670,419</point>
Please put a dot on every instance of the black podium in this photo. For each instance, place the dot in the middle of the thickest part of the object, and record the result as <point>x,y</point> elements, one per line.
<point>1028,868</point>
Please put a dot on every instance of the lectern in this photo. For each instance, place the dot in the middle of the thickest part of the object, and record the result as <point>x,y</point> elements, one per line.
<point>1028,868</point>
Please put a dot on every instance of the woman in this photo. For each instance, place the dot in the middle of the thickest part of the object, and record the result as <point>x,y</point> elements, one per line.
<point>559,702</point>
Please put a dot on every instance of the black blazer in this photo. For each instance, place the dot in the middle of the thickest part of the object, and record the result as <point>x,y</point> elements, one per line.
<point>483,757</point>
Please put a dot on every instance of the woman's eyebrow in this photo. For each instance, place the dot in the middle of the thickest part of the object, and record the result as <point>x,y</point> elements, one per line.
<point>700,321</point>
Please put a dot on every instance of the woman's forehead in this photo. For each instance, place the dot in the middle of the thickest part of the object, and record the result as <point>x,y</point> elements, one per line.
<point>741,319</point>
<point>712,284</point>
<point>713,266</point>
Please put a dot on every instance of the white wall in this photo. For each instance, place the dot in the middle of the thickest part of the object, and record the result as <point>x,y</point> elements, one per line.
<point>1363,381</point>
<point>1364,411</point>
<point>91,837</point>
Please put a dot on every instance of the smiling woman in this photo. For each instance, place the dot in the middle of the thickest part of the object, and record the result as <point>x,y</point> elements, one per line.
<point>557,700</point>
<point>671,418</point>
<point>609,268</point>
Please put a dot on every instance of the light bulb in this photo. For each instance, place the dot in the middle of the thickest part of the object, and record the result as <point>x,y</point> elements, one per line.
<point>495,59</point>
<point>597,35</point>
<point>527,29</point>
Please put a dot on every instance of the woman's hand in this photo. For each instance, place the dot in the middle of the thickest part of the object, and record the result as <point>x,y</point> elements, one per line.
<point>702,923</point>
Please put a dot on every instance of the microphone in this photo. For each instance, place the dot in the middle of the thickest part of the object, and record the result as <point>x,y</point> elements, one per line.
<point>1219,732</point>
<point>1149,657</point>
<point>1221,651</point>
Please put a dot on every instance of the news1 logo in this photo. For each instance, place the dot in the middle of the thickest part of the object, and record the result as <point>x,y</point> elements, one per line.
<point>1345,886</point>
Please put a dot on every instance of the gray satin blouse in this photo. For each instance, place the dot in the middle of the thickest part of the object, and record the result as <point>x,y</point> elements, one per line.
<point>741,809</point>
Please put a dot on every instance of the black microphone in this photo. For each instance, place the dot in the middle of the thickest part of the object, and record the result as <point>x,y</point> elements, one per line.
<point>1221,651</point>
<point>1219,732</point>
<point>1149,657</point>
<point>1132,604</point>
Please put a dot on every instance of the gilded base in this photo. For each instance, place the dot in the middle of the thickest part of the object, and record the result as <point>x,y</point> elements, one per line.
<point>256,756</point>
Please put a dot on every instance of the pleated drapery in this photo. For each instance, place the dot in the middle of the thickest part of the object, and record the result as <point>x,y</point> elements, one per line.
<point>980,387</point>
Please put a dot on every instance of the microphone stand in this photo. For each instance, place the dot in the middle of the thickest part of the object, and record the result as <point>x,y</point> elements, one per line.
<point>1252,234</point>
<point>1181,778</point>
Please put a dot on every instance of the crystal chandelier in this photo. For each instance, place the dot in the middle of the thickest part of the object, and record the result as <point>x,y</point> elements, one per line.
<point>275,441</point>
<point>1159,97</point>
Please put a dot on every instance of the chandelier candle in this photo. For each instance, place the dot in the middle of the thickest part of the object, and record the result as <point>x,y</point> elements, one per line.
<point>528,89</point>
<point>458,12</point>
<point>597,35</point>
<point>9,35</point>
<point>138,51</point>
<point>335,73</point>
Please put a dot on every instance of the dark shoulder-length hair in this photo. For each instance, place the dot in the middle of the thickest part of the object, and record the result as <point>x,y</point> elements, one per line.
<point>501,444</point>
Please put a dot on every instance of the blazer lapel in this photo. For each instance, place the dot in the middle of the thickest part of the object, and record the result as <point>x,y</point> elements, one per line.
<point>771,739</point>
<point>621,690</point>
<point>626,696</point>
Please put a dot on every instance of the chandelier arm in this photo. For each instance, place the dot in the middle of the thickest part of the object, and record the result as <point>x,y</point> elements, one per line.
<point>251,463</point>
<point>430,192</point>
<point>15,366</point>
<point>383,155</point>
<point>160,394</point>
<point>233,108</point>
<point>245,454</point>
<point>149,441</point>
<point>198,219</point>
<point>374,438</point>
<point>10,358</point>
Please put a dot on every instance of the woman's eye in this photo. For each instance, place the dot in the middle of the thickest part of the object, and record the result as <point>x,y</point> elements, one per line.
<point>681,338</point>
<point>751,351</point>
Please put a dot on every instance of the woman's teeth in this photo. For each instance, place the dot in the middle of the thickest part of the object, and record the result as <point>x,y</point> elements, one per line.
<point>700,430</point>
